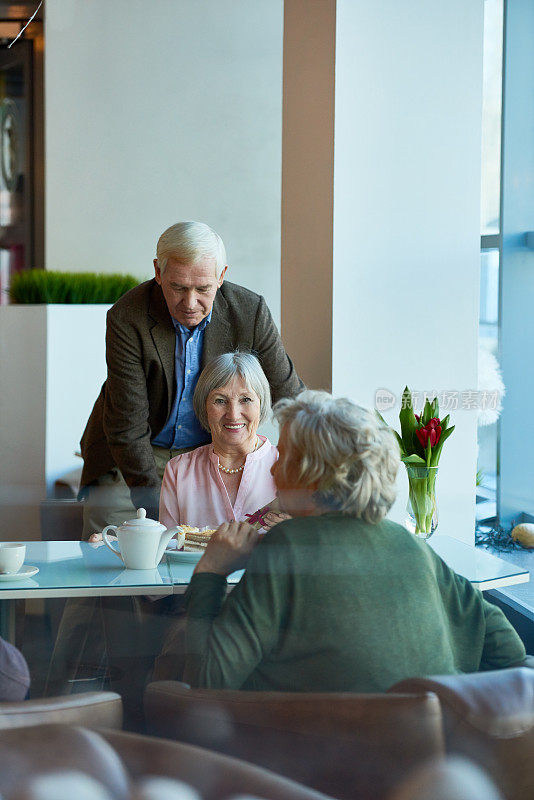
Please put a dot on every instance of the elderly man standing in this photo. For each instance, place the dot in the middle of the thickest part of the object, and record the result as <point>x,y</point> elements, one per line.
<point>159,336</point>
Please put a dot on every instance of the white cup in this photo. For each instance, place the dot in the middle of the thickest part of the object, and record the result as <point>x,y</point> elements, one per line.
<point>11,557</point>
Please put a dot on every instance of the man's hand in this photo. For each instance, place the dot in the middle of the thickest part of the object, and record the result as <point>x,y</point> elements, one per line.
<point>97,537</point>
<point>228,549</point>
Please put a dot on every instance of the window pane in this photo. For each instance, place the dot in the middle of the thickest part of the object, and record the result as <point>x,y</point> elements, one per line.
<point>491,116</point>
<point>488,335</point>
<point>489,294</point>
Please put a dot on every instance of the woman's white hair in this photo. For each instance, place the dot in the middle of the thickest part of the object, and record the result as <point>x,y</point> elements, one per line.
<point>220,371</point>
<point>188,242</point>
<point>343,449</point>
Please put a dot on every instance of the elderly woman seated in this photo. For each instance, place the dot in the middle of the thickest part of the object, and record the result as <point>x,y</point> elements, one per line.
<point>227,480</point>
<point>337,598</point>
<point>230,478</point>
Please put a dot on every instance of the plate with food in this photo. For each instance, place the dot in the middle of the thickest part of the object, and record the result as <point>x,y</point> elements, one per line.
<point>196,541</point>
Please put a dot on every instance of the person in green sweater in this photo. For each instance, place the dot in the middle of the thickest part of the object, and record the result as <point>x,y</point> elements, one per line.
<point>337,598</point>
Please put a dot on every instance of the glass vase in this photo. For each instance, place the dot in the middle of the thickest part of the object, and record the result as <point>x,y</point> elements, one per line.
<point>421,511</point>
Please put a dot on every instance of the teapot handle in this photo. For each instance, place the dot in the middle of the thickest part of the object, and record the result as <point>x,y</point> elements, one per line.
<point>107,541</point>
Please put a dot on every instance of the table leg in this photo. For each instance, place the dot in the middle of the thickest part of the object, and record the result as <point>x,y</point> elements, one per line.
<point>7,620</point>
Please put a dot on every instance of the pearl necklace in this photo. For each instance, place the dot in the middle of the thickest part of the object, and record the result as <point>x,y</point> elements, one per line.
<point>242,467</point>
<point>231,471</point>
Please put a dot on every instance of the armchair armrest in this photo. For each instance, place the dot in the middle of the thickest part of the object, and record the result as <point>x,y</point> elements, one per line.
<point>489,718</point>
<point>91,710</point>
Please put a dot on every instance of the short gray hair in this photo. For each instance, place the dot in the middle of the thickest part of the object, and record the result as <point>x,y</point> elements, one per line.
<point>344,449</point>
<point>220,371</point>
<point>188,242</point>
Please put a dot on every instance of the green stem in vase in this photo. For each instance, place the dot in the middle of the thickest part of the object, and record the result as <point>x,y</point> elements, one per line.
<point>421,482</point>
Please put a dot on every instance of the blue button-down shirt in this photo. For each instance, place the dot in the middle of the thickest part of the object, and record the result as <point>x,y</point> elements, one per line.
<point>182,428</point>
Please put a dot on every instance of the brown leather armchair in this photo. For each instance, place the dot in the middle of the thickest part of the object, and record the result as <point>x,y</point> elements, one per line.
<point>118,760</point>
<point>92,709</point>
<point>488,717</point>
<point>450,778</point>
<point>346,745</point>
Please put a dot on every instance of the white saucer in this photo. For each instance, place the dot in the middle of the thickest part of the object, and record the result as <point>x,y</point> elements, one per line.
<point>24,572</point>
<point>191,556</point>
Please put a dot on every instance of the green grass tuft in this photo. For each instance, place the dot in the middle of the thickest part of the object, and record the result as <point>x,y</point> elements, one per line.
<point>41,286</point>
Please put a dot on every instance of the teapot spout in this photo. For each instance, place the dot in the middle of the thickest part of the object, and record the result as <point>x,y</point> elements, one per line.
<point>166,536</point>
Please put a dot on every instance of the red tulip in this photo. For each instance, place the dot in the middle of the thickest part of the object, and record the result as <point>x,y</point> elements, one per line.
<point>432,431</point>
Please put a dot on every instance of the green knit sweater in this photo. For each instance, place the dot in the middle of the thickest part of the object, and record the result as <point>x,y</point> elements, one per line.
<point>332,603</point>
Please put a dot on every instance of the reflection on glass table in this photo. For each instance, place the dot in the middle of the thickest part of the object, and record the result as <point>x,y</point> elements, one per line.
<point>77,569</point>
<point>181,568</point>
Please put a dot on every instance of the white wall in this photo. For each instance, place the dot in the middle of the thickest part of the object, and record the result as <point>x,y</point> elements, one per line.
<point>160,111</point>
<point>406,222</point>
<point>75,370</point>
<point>51,360</point>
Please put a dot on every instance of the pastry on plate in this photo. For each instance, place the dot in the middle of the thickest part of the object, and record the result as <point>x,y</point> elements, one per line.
<point>196,538</point>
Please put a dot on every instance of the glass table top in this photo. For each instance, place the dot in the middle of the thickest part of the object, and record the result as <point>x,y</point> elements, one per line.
<point>519,597</point>
<point>484,570</point>
<point>70,569</point>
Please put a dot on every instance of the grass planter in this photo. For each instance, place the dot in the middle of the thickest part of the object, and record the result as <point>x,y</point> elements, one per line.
<point>41,286</point>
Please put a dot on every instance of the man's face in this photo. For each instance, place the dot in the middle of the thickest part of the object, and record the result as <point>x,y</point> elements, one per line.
<point>189,289</point>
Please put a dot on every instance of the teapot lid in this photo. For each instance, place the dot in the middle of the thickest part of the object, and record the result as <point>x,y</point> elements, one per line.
<point>141,521</point>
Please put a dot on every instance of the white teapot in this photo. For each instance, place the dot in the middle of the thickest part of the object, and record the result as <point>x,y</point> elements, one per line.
<point>142,541</point>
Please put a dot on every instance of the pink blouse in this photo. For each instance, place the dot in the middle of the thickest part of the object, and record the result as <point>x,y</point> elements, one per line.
<point>193,492</point>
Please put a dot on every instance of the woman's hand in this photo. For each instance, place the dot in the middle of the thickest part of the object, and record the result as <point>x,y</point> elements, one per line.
<point>228,549</point>
<point>97,537</point>
<point>272,518</point>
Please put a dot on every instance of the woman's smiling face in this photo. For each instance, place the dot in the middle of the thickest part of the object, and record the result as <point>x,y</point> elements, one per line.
<point>233,414</point>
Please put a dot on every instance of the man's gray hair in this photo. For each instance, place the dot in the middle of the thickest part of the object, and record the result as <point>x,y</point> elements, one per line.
<point>188,242</point>
<point>344,449</point>
<point>220,371</point>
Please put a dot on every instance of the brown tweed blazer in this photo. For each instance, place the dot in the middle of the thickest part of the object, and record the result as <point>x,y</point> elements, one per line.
<point>135,400</point>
